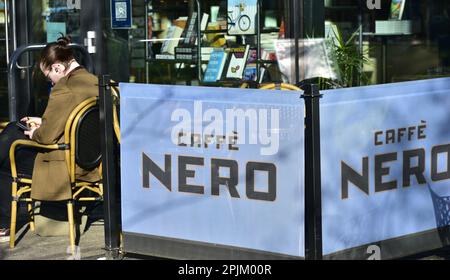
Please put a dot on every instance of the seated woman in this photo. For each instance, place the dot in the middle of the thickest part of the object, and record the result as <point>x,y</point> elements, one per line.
<point>72,84</point>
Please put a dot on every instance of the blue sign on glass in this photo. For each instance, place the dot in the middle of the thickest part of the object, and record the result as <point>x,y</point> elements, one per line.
<point>121,14</point>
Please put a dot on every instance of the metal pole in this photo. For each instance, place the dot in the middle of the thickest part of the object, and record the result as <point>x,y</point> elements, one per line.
<point>313,192</point>
<point>7,30</point>
<point>384,57</point>
<point>258,40</point>
<point>14,23</point>
<point>199,41</point>
<point>147,43</point>
<point>360,40</point>
<point>112,227</point>
<point>299,23</point>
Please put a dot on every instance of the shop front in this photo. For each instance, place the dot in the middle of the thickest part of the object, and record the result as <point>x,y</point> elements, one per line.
<point>365,45</point>
<point>213,166</point>
<point>187,195</point>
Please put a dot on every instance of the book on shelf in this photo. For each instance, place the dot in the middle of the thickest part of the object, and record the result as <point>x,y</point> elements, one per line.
<point>190,53</point>
<point>204,21</point>
<point>215,66</point>
<point>241,17</point>
<point>250,73</point>
<point>281,33</point>
<point>206,53</point>
<point>215,39</point>
<point>396,9</point>
<point>190,33</point>
<point>172,39</point>
<point>164,56</point>
<point>250,67</point>
<point>181,22</point>
<point>268,54</point>
<point>270,19</point>
<point>186,53</point>
<point>238,59</point>
<point>222,24</point>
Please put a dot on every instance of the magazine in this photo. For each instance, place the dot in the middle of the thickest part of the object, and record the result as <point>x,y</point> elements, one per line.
<point>397,8</point>
<point>250,72</point>
<point>215,66</point>
<point>241,17</point>
<point>238,59</point>
<point>171,40</point>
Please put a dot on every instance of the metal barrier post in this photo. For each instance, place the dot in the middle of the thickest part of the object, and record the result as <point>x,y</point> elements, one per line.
<point>313,192</point>
<point>111,211</point>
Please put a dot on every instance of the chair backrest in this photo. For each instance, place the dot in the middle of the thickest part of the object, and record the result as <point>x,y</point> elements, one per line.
<point>281,86</point>
<point>87,139</point>
<point>116,111</point>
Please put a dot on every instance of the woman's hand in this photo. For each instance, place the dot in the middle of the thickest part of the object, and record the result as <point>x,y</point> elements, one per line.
<point>32,121</point>
<point>30,132</point>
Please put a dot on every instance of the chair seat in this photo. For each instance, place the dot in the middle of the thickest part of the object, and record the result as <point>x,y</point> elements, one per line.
<point>5,174</point>
<point>26,176</point>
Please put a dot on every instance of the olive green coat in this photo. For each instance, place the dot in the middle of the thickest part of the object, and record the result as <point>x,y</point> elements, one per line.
<point>51,179</point>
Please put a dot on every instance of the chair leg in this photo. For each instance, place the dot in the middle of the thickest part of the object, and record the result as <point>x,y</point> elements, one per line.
<point>12,229</point>
<point>71,225</point>
<point>31,213</point>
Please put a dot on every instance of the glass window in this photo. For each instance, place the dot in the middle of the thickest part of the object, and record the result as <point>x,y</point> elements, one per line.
<point>49,19</point>
<point>404,40</point>
<point>163,42</point>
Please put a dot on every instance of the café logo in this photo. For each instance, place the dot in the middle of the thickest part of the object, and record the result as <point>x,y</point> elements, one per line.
<point>413,162</point>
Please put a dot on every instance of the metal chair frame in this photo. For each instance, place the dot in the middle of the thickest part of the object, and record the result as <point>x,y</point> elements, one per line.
<point>22,186</point>
<point>282,86</point>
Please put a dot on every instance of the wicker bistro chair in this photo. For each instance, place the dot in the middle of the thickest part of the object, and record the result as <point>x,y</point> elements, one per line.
<point>281,86</point>
<point>3,125</point>
<point>116,108</point>
<point>82,148</point>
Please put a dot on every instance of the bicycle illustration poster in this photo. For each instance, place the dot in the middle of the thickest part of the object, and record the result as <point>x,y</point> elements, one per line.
<point>241,17</point>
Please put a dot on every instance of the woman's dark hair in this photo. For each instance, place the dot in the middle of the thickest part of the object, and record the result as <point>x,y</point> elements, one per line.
<point>57,52</point>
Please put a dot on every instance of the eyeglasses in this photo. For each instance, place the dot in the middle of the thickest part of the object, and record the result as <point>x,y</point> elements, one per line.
<point>47,77</point>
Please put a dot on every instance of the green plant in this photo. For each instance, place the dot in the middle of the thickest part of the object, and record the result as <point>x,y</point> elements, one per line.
<point>350,60</point>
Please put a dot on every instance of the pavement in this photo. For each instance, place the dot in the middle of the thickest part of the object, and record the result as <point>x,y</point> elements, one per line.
<point>31,246</point>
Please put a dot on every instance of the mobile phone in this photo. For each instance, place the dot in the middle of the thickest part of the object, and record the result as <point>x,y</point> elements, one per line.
<point>22,125</point>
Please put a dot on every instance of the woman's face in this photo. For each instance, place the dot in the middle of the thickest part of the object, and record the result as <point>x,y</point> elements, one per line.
<point>54,73</point>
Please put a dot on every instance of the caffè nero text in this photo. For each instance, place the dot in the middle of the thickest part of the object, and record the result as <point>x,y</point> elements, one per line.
<point>413,163</point>
<point>187,166</point>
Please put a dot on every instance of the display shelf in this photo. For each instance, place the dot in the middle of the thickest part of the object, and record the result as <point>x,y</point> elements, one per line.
<point>197,6</point>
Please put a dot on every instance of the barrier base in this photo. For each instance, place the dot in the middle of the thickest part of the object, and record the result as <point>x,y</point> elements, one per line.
<point>182,249</point>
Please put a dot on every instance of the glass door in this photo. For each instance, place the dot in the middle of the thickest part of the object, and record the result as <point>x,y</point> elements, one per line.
<point>4,49</point>
<point>47,21</point>
<point>50,19</point>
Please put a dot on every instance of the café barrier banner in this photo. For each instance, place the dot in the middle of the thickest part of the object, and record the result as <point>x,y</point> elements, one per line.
<point>385,158</point>
<point>226,166</point>
<point>214,165</point>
